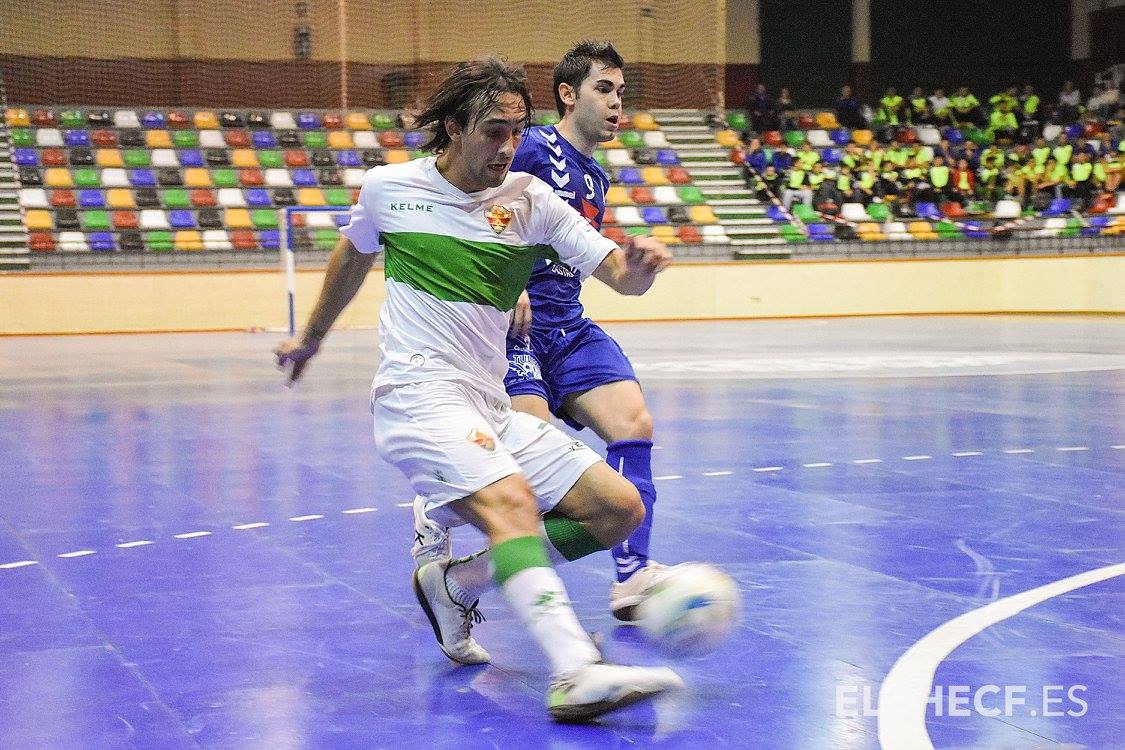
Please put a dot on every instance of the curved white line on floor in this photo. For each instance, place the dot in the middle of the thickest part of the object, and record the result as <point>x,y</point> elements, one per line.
<point>903,694</point>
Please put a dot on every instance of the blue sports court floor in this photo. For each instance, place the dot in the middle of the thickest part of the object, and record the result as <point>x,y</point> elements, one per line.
<point>192,556</point>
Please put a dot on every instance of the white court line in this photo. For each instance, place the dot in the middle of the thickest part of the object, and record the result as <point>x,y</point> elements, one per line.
<point>669,476</point>
<point>818,465</point>
<point>192,535</point>
<point>78,553</point>
<point>916,458</point>
<point>1072,448</point>
<point>906,689</point>
<point>411,503</point>
<point>1118,447</point>
<point>717,473</point>
<point>1012,451</point>
<point>245,526</point>
<point>354,511</point>
<point>18,564</point>
<point>962,454</point>
<point>130,545</point>
<point>313,517</point>
<point>868,461</point>
<point>769,468</point>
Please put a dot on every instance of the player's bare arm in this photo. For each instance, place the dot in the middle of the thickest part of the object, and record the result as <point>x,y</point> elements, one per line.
<point>633,267</point>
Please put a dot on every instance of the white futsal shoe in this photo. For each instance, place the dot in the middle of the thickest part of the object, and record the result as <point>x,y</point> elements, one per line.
<point>624,597</point>
<point>452,621</point>
<point>432,541</point>
<point>597,689</point>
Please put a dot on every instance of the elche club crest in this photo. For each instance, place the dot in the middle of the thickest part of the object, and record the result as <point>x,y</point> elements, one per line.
<point>499,217</point>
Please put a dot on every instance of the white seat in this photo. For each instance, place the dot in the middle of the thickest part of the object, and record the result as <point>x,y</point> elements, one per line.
<point>277,177</point>
<point>819,139</point>
<point>628,216</point>
<point>48,137</point>
<point>896,230</point>
<point>1051,132</point>
<point>929,136</point>
<point>854,212</point>
<point>716,239</point>
<point>216,239</point>
<point>154,218</point>
<point>619,157</point>
<point>1119,209</point>
<point>126,118</point>
<point>283,121</point>
<point>713,230</point>
<point>320,219</point>
<point>1006,209</point>
<point>656,139</point>
<point>1055,223</point>
<point>353,177</point>
<point>34,198</point>
<point>164,157</point>
<point>231,198</point>
<point>211,139</point>
<point>665,195</point>
<point>115,177</point>
<point>365,139</point>
<point>73,242</point>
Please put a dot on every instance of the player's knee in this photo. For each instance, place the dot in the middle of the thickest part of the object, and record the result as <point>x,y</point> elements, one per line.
<point>627,510</point>
<point>641,426</point>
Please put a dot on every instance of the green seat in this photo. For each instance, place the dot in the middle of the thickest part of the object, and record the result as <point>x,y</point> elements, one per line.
<point>737,121</point>
<point>1068,232</point>
<point>86,177</point>
<point>946,229</point>
<point>185,138</point>
<point>631,139</point>
<point>978,136</point>
<point>380,121</point>
<point>601,158</point>
<point>176,198</point>
<point>159,242</point>
<point>636,231</point>
<point>419,154</point>
<point>791,233</point>
<point>22,137</point>
<point>315,139</point>
<point>264,218</point>
<point>325,239</point>
<point>224,177</point>
<point>879,212</point>
<point>270,159</point>
<point>93,221</point>
<point>794,138</point>
<point>548,118</point>
<point>71,118</point>
<point>805,213</point>
<point>338,197</point>
<point>137,157</point>
<point>691,195</point>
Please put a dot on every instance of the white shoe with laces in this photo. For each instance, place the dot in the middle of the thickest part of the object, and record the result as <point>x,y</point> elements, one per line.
<point>432,541</point>
<point>624,597</point>
<point>452,621</point>
<point>599,688</point>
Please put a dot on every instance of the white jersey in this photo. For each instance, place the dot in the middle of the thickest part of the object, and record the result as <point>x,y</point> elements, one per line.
<point>456,263</point>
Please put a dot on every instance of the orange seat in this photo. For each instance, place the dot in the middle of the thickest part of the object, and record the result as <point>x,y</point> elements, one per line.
<point>390,139</point>
<point>158,139</point>
<point>125,220</point>
<point>396,156</point>
<point>251,177</point>
<point>772,138</point>
<point>642,195</point>
<point>863,137</point>
<point>41,242</point>
<point>333,120</point>
<point>295,157</point>
<point>679,176</point>
<point>617,234</point>
<point>236,138</point>
<point>690,235</point>
<point>243,239</point>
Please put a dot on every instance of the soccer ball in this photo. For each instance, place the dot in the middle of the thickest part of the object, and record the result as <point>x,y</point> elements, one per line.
<point>691,610</point>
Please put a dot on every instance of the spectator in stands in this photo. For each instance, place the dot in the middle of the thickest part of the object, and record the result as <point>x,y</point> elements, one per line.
<point>1069,105</point>
<point>941,108</point>
<point>963,182</point>
<point>1008,96</point>
<point>1014,178</point>
<point>823,191</point>
<point>760,110</point>
<point>1063,150</point>
<point>807,156</point>
<point>867,184</point>
<point>945,150</point>
<point>922,154</point>
<point>796,186</point>
<point>919,110</point>
<point>966,107</point>
<point>853,156</point>
<point>890,186</point>
<point>914,181</point>
<point>991,172</point>
<point>786,110</point>
<point>940,186</point>
<point>1109,168</point>
<point>754,157</point>
<point>849,111</point>
<point>1083,145</point>
<point>1031,174</point>
<point>783,159</point>
<point>768,185</point>
<point>1117,131</point>
<point>897,154</point>
<point>1082,183</point>
<point>892,108</point>
<point>1103,101</point>
<point>970,154</point>
<point>876,154</point>
<point>1029,105</point>
<point>1002,125</point>
<point>1103,145</point>
<point>845,186</point>
<point>1051,183</point>
<point>1041,152</point>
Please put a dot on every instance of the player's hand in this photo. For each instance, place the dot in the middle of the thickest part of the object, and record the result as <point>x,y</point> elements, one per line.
<point>646,254</point>
<point>520,325</point>
<point>293,356</point>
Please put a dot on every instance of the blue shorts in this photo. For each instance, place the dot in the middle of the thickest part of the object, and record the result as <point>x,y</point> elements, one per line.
<point>554,364</point>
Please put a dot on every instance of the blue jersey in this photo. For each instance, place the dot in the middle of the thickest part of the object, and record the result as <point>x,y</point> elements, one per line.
<point>581,182</point>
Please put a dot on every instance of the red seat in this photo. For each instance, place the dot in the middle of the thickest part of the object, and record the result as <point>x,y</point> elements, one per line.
<point>617,234</point>
<point>772,138</point>
<point>624,122</point>
<point>390,139</point>
<point>296,158</point>
<point>355,196</point>
<point>243,239</point>
<point>806,122</point>
<point>103,138</point>
<point>1093,128</point>
<point>180,120</point>
<point>43,118</point>
<point>906,135</point>
<point>690,235</point>
<point>333,121</point>
<point>125,220</point>
<point>236,138</point>
<point>609,217</point>
<point>736,156</point>
<point>1103,203</point>
<point>63,199</point>
<point>251,177</point>
<point>53,157</point>
<point>641,195</point>
<point>41,242</point>
<point>679,176</point>
<point>203,198</point>
<point>953,210</point>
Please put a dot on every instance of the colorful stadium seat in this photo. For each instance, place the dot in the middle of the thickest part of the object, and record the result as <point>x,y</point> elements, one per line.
<point>126,118</point>
<point>727,138</point>
<point>703,215</point>
<point>181,219</point>
<point>190,158</point>
<point>258,198</point>
<point>630,176</point>
<point>109,157</point>
<point>644,121</point>
<point>251,177</point>
<point>91,198</point>
<point>163,157</point>
<point>205,120</point>
<point>818,138</point>
<point>654,176</point>
<point>863,137</point>
<point>176,198</point>
<point>243,158</point>
<point>262,139</point>
<point>158,139</point>
<point>679,176</point>
<point>73,242</point>
<point>282,121</point>
<point>48,138</point>
<point>236,138</point>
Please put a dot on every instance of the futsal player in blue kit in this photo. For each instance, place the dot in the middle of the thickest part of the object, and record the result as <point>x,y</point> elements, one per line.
<point>560,361</point>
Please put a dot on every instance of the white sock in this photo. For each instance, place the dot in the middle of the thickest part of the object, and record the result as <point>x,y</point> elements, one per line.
<point>470,577</point>
<point>539,599</point>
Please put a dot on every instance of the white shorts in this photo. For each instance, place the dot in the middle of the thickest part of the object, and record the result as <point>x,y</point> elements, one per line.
<point>450,440</point>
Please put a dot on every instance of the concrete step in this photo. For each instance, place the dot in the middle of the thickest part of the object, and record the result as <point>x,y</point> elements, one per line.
<point>746,222</point>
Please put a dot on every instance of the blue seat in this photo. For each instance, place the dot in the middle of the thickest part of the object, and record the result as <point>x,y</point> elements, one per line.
<point>341,220</point>
<point>820,232</point>
<point>1074,130</point>
<point>25,157</point>
<point>190,158</point>
<point>782,161</point>
<point>654,215</point>
<point>348,158</point>
<point>413,139</point>
<point>101,242</point>
<point>258,197</point>
<point>666,157</point>
<point>1100,222</point>
<point>181,219</point>
<point>630,176</point>
<point>77,138</point>
<point>308,120</point>
<point>832,156</point>
<point>1090,231</point>
<point>91,198</point>
<point>153,119</point>
<point>954,136</point>
<point>263,139</point>
<point>1058,207</point>
<point>776,213</point>
<point>975,230</point>
<point>142,178</point>
<point>304,177</point>
<point>929,211</point>
<point>841,136</point>
<point>269,239</point>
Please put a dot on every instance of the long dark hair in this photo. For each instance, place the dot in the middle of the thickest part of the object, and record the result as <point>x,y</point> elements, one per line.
<point>467,94</point>
<point>576,63</point>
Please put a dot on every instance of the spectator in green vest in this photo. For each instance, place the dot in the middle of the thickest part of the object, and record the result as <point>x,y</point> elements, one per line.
<point>897,154</point>
<point>1023,181</point>
<point>892,108</point>
<point>919,107</point>
<point>876,154</point>
<point>1082,183</point>
<point>922,154</point>
<point>866,184</point>
<point>796,186</point>
<point>1041,152</point>
<point>807,156</point>
<point>1029,105</point>
<point>889,186</point>
<point>942,108</point>
<point>966,107</point>
<point>1007,97</point>
<point>845,185</point>
<point>1002,125</point>
<point>1053,179</point>
<point>940,174</point>
<point>767,185</point>
<point>1063,151</point>
<point>853,155</point>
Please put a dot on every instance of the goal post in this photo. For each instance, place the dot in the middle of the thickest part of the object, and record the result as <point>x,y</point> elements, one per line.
<point>305,228</point>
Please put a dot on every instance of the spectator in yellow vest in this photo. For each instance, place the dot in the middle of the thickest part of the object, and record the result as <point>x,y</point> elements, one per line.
<point>1002,125</point>
<point>796,186</point>
<point>1063,151</point>
<point>1029,105</point>
<point>919,107</point>
<point>1082,184</point>
<point>897,155</point>
<point>966,107</point>
<point>1041,152</point>
<point>1054,178</point>
<point>892,108</point>
<point>807,156</point>
<point>940,174</point>
<point>867,183</point>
